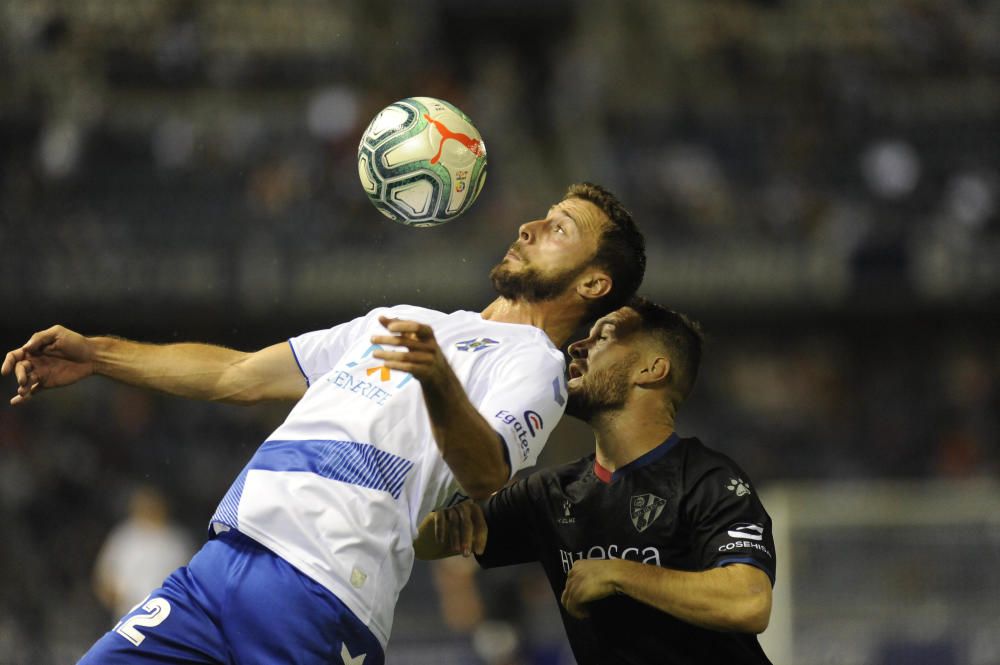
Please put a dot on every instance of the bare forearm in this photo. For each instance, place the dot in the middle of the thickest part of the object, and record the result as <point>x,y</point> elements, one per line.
<point>730,598</point>
<point>470,447</point>
<point>191,370</point>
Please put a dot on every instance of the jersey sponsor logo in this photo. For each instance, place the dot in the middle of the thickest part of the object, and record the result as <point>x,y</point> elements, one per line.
<point>385,374</point>
<point>747,530</point>
<point>533,421</point>
<point>738,485</point>
<point>748,537</point>
<point>476,345</point>
<point>644,509</point>
<point>612,551</point>
<point>373,382</point>
<point>346,382</point>
<point>508,418</point>
<point>744,545</point>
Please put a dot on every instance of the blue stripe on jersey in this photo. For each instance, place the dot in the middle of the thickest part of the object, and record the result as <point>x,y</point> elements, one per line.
<point>747,560</point>
<point>228,511</point>
<point>350,462</point>
<point>347,461</point>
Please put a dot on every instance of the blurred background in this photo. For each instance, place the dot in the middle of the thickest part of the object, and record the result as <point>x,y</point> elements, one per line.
<point>818,183</point>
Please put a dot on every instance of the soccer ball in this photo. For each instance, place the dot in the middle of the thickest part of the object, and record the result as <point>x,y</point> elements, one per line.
<point>422,162</point>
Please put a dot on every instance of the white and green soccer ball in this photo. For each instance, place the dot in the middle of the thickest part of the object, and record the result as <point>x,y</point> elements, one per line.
<point>422,162</point>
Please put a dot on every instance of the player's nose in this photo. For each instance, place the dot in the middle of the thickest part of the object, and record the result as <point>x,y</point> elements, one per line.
<point>528,231</point>
<point>577,350</point>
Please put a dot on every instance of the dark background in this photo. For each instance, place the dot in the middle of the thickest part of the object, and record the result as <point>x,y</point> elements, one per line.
<point>818,184</point>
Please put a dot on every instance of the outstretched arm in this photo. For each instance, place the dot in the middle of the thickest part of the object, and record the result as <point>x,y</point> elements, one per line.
<point>733,598</point>
<point>470,447</point>
<point>59,357</point>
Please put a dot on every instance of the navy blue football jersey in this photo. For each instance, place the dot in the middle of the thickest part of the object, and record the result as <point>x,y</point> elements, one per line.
<point>681,506</point>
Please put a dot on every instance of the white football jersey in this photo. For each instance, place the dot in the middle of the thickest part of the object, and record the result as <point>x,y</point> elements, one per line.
<point>339,489</point>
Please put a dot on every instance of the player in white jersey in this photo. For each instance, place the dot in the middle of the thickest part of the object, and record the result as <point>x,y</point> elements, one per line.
<point>398,412</point>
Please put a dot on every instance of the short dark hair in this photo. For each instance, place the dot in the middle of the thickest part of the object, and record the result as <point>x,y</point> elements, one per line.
<point>681,337</point>
<point>621,249</point>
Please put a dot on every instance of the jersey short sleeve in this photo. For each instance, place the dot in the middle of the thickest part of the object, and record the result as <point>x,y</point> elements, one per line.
<point>317,352</point>
<point>510,538</point>
<point>525,400</point>
<point>728,521</point>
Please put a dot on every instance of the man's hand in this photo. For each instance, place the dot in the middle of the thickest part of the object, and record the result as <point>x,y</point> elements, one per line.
<point>461,528</point>
<point>51,358</point>
<point>588,580</point>
<point>422,358</point>
<point>470,447</point>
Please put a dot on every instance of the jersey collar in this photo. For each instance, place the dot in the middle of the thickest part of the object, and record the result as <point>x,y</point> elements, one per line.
<point>608,476</point>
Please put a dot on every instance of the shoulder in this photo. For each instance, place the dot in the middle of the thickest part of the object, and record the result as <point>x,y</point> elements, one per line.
<point>712,478</point>
<point>555,479</point>
<point>701,461</point>
<point>410,312</point>
<point>699,456</point>
<point>522,350</point>
<point>531,345</point>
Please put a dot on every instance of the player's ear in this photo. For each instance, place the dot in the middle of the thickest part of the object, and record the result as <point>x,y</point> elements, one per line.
<point>594,284</point>
<point>653,369</point>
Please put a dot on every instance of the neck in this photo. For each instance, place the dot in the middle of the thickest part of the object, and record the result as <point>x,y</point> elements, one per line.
<point>627,434</point>
<point>558,318</point>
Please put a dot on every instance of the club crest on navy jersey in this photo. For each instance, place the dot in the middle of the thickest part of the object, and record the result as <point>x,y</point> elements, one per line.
<point>644,509</point>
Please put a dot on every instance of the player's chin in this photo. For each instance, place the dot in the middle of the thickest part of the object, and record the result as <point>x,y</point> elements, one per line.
<point>578,406</point>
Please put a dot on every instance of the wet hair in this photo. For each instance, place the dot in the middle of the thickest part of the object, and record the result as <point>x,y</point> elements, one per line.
<point>621,249</point>
<point>681,337</point>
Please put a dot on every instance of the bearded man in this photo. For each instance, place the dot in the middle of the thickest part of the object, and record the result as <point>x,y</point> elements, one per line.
<point>313,542</point>
<point>656,546</point>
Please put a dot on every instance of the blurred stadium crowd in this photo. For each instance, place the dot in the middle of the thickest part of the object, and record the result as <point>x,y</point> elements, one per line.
<point>818,182</point>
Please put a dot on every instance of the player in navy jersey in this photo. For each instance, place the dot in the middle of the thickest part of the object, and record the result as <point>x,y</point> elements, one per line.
<point>312,543</point>
<point>656,546</point>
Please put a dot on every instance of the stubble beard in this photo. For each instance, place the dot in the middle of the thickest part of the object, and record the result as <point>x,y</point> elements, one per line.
<point>599,393</point>
<point>530,285</point>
